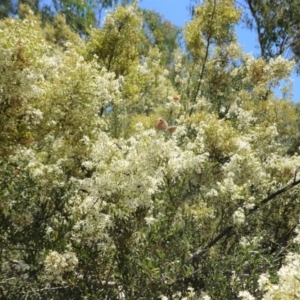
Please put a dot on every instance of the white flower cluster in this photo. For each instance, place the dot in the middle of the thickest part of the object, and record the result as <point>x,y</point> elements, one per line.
<point>245,117</point>
<point>57,264</point>
<point>297,238</point>
<point>33,116</point>
<point>288,286</point>
<point>239,217</point>
<point>128,174</point>
<point>245,295</point>
<point>191,295</point>
<point>279,67</point>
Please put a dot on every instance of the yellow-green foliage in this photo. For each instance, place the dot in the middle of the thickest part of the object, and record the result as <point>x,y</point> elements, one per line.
<point>148,85</point>
<point>219,135</point>
<point>213,21</point>
<point>21,76</point>
<point>60,33</point>
<point>116,44</point>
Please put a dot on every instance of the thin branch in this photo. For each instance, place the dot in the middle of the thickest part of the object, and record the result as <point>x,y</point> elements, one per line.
<point>205,59</point>
<point>198,254</point>
<point>275,194</point>
<point>296,171</point>
<point>258,28</point>
<point>229,229</point>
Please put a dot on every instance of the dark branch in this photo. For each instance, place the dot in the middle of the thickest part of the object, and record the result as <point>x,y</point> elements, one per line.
<point>275,194</point>
<point>229,229</point>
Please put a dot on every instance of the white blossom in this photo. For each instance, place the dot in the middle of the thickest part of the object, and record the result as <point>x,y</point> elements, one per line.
<point>245,295</point>
<point>239,216</point>
<point>57,264</point>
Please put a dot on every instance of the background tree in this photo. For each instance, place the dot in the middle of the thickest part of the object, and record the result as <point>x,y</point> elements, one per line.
<point>11,8</point>
<point>79,15</point>
<point>275,22</point>
<point>277,26</point>
<point>5,8</point>
<point>211,30</point>
<point>161,33</point>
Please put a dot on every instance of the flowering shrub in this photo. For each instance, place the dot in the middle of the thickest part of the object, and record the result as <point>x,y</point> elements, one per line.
<point>98,204</point>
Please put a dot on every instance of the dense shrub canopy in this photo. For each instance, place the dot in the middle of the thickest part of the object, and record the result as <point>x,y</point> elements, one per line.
<point>96,203</point>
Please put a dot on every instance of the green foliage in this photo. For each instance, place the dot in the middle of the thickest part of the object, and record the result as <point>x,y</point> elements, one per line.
<point>276,25</point>
<point>5,8</point>
<point>211,26</point>
<point>10,8</point>
<point>80,15</point>
<point>212,21</point>
<point>161,33</point>
<point>59,33</point>
<point>116,44</point>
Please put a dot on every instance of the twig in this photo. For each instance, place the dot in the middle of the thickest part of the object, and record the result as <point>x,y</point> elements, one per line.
<point>296,171</point>
<point>275,194</point>
<point>229,229</point>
